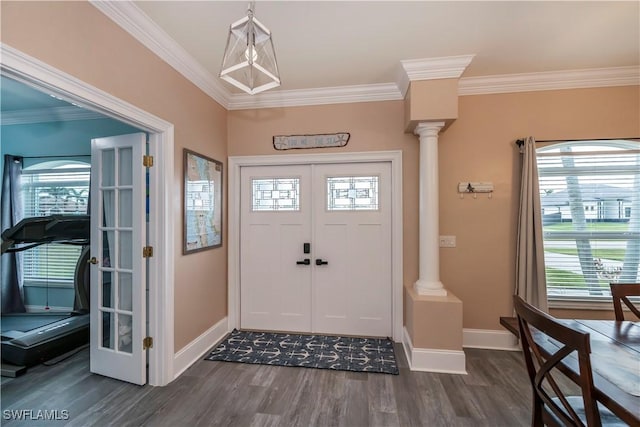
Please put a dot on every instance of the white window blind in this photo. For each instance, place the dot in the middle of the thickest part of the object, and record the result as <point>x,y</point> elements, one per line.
<point>63,189</point>
<point>590,198</point>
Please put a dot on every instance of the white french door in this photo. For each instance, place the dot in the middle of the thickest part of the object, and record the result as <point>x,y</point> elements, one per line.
<point>118,235</point>
<point>315,248</point>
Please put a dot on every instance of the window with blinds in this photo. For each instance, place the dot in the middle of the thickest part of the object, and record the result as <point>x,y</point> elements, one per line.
<point>590,199</point>
<point>61,188</point>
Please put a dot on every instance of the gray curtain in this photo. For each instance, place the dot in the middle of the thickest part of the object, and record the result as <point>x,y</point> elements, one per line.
<point>530,272</point>
<point>11,214</point>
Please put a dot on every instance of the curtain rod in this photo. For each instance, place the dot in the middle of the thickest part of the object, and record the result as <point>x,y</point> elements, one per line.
<point>519,142</point>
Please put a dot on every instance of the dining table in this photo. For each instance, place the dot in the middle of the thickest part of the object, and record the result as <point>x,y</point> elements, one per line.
<point>615,362</point>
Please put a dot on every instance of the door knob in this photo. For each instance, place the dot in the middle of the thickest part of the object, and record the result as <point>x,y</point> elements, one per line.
<point>305,261</point>
<point>321,262</point>
<point>93,260</point>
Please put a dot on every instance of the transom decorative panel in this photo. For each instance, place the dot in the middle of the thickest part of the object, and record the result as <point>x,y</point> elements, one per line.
<point>275,194</point>
<point>350,193</point>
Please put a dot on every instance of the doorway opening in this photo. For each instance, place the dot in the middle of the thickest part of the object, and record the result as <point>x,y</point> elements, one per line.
<point>32,72</point>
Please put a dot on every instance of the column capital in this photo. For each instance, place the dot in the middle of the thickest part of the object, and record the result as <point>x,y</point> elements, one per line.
<point>424,129</point>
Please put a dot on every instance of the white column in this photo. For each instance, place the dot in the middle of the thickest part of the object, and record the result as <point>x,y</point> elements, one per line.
<point>429,256</point>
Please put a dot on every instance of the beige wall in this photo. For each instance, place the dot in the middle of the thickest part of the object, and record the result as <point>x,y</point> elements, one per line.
<point>478,146</point>
<point>78,39</point>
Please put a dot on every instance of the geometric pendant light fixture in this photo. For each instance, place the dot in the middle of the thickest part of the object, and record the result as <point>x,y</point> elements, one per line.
<point>249,61</point>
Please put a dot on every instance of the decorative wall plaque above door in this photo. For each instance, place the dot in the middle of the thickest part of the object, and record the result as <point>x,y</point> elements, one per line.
<point>289,142</point>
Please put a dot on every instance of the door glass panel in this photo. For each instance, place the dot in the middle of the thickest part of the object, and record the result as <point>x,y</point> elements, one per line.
<point>125,209</point>
<point>125,156</point>
<point>108,168</point>
<point>124,333</point>
<point>108,296</point>
<point>107,328</point>
<point>109,198</point>
<point>125,291</point>
<point>124,252</point>
<point>350,193</point>
<point>275,194</point>
<point>108,244</point>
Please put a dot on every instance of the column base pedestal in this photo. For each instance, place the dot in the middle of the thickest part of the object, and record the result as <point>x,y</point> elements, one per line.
<point>424,287</point>
<point>433,332</point>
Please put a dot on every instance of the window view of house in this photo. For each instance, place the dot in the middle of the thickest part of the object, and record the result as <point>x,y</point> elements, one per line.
<point>590,198</point>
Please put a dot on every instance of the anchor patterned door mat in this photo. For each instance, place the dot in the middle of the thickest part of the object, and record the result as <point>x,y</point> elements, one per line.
<point>308,351</point>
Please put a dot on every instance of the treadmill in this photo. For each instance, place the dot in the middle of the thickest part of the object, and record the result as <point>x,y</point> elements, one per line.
<point>32,338</point>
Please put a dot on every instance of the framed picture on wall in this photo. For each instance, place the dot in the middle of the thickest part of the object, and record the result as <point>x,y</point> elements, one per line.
<point>202,193</point>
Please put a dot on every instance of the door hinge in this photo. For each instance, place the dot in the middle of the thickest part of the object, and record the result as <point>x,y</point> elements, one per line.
<point>147,161</point>
<point>147,252</point>
<point>147,342</point>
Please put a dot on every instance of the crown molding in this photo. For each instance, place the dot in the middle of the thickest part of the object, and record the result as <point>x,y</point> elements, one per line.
<point>445,67</point>
<point>137,23</point>
<point>43,115</point>
<point>318,96</point>
<point>133,20</point>
<point>550,80</point>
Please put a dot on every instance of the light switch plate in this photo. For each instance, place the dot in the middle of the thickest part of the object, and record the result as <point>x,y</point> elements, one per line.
<point>447,241</point>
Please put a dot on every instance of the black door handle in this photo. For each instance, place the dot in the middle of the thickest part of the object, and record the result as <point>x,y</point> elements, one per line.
<point>305,261</point>
<point>321,262</point>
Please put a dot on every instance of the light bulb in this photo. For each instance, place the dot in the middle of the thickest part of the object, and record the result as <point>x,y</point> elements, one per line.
<point>254,56</point>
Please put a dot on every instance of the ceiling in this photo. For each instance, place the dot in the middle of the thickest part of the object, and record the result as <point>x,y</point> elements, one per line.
<point>322,44</point>
<point>359,44</point>
<point>17,96</point>
<point>21,103</point>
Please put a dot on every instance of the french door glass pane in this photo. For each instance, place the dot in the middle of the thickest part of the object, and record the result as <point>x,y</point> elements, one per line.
<point>125,169</point>
<point>109,198</point>
<point>108,168</point>
<point>125,212</point>
<point>124,333</point>
<point>108,323</point>
<point>125,291</point>
<point>125,246</point>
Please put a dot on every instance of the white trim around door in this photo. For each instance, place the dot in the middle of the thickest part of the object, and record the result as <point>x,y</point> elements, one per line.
<point>237,162</point>
<point>33,72</point>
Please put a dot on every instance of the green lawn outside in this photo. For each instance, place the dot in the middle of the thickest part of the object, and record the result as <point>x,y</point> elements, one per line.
<point>567,279</point>
<point>611,254</point>
<point>591,226</point>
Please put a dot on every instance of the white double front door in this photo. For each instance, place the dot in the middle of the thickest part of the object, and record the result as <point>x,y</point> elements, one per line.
<point>316,248</point>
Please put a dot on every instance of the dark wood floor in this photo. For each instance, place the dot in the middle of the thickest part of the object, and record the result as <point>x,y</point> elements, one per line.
<point>494,393</point>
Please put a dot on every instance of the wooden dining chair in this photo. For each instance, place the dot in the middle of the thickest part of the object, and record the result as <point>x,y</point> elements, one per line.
<point>620,292</point>
<point>546,344</point>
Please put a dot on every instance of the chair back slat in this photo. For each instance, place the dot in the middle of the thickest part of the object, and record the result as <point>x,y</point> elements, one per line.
<point>620,293</point>
<point>546,344</point>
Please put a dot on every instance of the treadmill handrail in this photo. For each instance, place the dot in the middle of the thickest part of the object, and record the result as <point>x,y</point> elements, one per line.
<point>69,229</point>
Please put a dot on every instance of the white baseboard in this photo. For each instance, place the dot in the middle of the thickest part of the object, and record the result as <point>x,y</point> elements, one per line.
<point>433,360</point>
<point>197,348</point>
<point>489,339</point>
